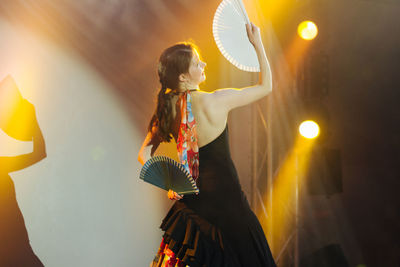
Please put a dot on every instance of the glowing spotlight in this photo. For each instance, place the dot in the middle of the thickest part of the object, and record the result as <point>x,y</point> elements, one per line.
<point>309,129</point>
<point>307,30</point>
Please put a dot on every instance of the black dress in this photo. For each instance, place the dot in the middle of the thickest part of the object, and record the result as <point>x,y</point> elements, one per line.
<point>216,227</point>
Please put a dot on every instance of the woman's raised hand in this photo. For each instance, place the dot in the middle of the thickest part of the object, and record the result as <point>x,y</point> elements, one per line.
<point>253,32</point>
<point>173,195</point>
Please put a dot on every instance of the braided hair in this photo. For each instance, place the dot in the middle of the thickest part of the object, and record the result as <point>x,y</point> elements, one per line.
<point>174,61</point>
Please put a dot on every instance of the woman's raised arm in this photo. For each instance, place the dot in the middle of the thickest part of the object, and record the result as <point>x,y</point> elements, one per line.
<point>230,98</point>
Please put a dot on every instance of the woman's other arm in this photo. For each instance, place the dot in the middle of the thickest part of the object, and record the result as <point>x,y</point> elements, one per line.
<point>148,148</point>
<point>230,98</point>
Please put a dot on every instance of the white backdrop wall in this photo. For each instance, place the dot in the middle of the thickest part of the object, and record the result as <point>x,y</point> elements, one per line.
<point>84,204</point>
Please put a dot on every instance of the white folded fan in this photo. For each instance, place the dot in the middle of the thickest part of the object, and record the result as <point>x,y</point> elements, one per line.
<point>229,30</point>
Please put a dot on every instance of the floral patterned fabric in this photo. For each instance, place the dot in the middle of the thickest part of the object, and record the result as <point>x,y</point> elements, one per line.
<point>188,150</point>
<point>166,258</point>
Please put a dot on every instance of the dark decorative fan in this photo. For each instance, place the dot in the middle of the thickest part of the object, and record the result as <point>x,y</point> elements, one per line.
<point>167,173</point>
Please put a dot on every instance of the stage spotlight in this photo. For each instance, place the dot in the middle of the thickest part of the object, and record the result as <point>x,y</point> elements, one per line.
<point>307,30</point>
<point>309,129</point>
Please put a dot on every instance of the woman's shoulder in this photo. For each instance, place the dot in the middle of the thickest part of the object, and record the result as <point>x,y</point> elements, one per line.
<point>202,99</point>
<point>207,99</point>
<point>209,108</point>
<point>202,95</point>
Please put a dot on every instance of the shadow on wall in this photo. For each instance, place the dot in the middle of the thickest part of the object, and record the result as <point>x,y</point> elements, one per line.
<point>18,120</point>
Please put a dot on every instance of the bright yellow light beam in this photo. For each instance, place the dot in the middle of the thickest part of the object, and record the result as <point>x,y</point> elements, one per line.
<point>281,221</point>
<point>309,129</point>
<point>307,30</point>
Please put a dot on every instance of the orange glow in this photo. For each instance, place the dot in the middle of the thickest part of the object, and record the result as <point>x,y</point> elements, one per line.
<point>296,52</point>
<point>16,114</point>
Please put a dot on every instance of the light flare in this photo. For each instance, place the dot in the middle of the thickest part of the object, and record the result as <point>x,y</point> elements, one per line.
<point>307,30</point>
<point>309,129</point>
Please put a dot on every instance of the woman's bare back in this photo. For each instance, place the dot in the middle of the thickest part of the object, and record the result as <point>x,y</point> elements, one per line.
<point>210,111</point>
<point>210,122</point>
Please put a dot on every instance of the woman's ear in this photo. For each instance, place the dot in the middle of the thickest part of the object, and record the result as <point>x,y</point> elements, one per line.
<point>182,77</point>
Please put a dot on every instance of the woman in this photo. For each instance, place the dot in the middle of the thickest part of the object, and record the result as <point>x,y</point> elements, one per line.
<point>215,227</point>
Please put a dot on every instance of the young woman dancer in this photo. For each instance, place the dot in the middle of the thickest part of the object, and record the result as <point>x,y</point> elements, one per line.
<point>215,227</point>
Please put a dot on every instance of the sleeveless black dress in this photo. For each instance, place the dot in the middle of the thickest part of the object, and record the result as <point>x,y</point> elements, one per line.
<point>216,227</point>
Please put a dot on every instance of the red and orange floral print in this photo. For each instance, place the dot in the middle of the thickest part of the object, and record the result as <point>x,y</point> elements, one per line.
<point>188,150</point>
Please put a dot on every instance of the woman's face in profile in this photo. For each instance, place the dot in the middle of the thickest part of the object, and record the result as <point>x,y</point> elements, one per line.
<point>196,69</point>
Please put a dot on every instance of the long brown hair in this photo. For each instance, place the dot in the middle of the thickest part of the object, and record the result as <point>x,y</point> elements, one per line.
<point>174,61</point>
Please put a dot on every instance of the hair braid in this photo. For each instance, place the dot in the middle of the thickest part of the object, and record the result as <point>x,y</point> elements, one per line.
<point>174,61</point>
